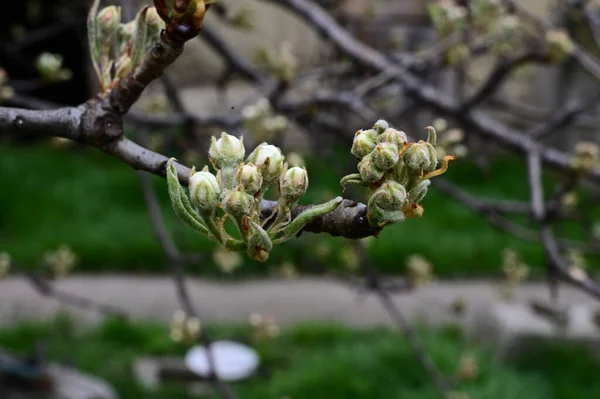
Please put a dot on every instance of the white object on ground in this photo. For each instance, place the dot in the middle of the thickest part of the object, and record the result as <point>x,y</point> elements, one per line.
<point>233,361</point>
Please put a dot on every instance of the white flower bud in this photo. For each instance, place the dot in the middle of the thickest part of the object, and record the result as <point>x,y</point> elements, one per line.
<point>226,152</point>
<point>269,161</point>
<point>109,20</point>
<point>204,191</point>
<point>249,177</point>
<point>154,22</point>
<point>293,184</point>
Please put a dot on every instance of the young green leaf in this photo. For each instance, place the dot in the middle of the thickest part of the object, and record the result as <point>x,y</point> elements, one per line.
<point>92,28</point>
<point>139,38</point>
<point>306,217</point>
<point>180,202</point>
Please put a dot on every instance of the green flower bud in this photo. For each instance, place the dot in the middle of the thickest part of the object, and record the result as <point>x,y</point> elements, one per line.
<point>380,126</point>
<point>368,171</point>
<point>421,156</point>
<point>226,152</point>
<point>248,176</point>
<point>391,195</point>
<point>385,155</point>
<point>237,202</point>
<point>385,205</point>
<point>364,142</point>
<point>125,32</point>
<point>259,244</point>
<point>204,191</point>
<point>401,173</point>
<point>269,161</point>
<point>154,22</point>
<point>293,184</point>
<point>418,192</point>
<point>109,21</point>
<point>396,137</point>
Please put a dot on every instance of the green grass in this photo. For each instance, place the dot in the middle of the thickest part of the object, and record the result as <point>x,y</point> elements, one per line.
<point>320,361</point>
<point>94,204</point>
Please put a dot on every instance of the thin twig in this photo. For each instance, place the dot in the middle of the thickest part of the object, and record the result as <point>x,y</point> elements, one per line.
<point>178,273</point>
<point>442,384</point>
<point>45,288</point>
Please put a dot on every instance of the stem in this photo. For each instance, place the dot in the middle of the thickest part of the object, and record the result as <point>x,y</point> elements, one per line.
<point>283,212</point>
<point>209,219</point>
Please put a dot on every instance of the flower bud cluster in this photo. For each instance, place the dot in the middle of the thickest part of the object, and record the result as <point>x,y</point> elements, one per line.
<point>493,20</point>
<point>236,191</point>
<point>260,120</point>
<point>397,171</point>
<point>116,48</point>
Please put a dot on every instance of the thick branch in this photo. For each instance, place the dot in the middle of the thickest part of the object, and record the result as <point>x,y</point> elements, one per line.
<point>349,220</point>
<point>62,122</point>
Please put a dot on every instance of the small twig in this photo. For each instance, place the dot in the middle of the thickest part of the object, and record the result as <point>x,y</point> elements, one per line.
<point>557,267</point>
<point>497,77</point>
<point>561,118</point>
<point>175,259</point>
<point>45,288</point>
<point>442,384</point>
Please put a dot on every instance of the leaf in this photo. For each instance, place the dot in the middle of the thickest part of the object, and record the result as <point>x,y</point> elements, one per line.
<point>259,243</point>
<point>92,28</point>
<point>180,202</point>
<point>306,217</point>
<point>139,38</point>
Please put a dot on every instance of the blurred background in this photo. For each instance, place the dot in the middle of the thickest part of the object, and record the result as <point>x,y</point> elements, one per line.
<point>75,221</point>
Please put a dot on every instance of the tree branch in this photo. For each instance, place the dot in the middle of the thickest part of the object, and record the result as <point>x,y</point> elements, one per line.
<point>442,384</point>
<point>62,122</point>
<point>557,267</point>
<point>175,258</point>
<point>503,69</point>
<point>423,92</point>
